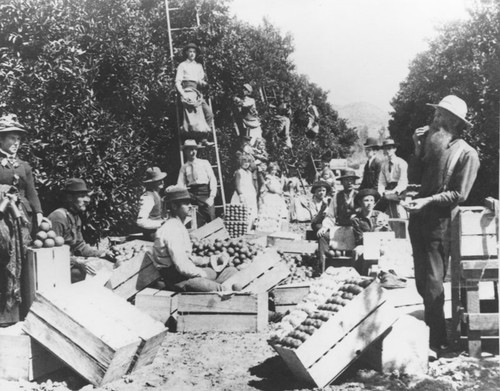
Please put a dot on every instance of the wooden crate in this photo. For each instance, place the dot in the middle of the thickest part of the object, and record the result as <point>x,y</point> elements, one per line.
<point>262,275</point>
<point>97,333</point>
<point>159,304</point>
<point>133,275</point>
<point>295,246</point>
<point>211,231</point>
<point>234,312</point>
<point>22,358</point>
<point>398,349</point>
<point>339,341</point>
<point>287,296</point>
<point>46,268</point>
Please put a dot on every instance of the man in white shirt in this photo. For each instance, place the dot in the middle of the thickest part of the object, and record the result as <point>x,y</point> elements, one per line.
<point>190,74</point>
<point>172,251</point>
<point>393,181</point>
<point>150,215</point>
<point>198,176</point>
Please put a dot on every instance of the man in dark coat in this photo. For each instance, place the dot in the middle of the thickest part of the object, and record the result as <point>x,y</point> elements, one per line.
<point>371,171</point>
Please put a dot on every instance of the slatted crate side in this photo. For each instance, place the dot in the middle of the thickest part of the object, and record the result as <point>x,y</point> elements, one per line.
<point>133,275</point>
<point>267,281</point>
<point>295,246</point>
<point>287,296</point>
<point>211,231</point>
<point>199,312</point>
<point>159,304</point>
<point>477,221</point>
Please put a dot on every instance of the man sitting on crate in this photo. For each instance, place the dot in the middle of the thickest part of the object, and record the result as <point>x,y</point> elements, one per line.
<point>366,219</point>
<point>448,167</point>
<point>66,222</point>
<point>338,213</point>
<point>198,176</point>
<point>172,251</point>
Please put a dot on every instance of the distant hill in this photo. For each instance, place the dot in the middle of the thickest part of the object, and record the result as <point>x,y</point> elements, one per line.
<point>363,114</point>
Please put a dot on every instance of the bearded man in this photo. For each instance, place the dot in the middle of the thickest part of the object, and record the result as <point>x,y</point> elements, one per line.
<point>448,168</point>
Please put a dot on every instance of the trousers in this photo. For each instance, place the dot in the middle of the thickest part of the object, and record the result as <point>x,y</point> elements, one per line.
<point>174,281</point>
<point>429,236</point>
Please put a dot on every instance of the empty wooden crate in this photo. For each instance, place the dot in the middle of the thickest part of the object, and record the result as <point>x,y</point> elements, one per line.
<point>97,333</point>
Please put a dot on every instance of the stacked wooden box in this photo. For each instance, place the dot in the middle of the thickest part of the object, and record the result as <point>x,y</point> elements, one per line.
<point>97,333</point>
<point>287,296</point>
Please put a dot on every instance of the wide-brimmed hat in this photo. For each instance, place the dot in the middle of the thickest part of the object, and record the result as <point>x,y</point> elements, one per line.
<point>154,174</point>
<point>389,143</point>
<point>75,185</point>
<point>177,193</point>
<point>366,192</point>
<point>318,184</point>
<point>348,174</point>
<point>190,143</point>
<point>454,105</point>
<point>371,142</point>
<point>248,87</point>
<point>9,123</point>
<point>191,46</point>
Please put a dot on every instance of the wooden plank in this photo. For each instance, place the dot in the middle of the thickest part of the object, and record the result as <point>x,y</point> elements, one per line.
<point>208,230</point>
<point>133,276</point>
<point>479,270</point>
<point>190,302</point>
<point>290,293</point>
<point>149,350</point>
<point>14,357</point>
<point>269,279</point>
<point>276,237</point>
<point>159,304</point>
<point>218,322</point>
<point>42,362</point>
<point>399,227</point>
<point>336,360</point>
<point>477,222</point>
<point>485,246</point>
<point>482,321</point>
<point>294,364</point>
<point>260,265</point>
<point>122,362</point>
<point>295,247</point>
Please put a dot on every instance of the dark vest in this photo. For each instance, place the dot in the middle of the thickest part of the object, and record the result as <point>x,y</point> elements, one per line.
<point>155,213</point>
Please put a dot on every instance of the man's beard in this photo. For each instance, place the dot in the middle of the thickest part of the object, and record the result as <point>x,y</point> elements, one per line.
<point>437,140</point>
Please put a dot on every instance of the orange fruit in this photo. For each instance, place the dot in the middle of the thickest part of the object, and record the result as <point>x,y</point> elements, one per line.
<point>49,242</point>
<point>37,243</point>
<point>42,235</point>
<point>59,240</point>
<point>51,234</point>
<point>44,226</point>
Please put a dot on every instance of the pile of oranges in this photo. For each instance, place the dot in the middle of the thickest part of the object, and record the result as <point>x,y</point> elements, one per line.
<point>46,237</point>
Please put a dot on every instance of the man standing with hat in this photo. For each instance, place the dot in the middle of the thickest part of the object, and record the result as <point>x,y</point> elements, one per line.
<point>393,180</point>
<point>249,113</point>
<point>372,168</point>
<point>199,178</point>
<point>67,222</point>
<point>190,75</point>
<point>172,251</point>
<point>150,216</point>
<point>448,168</point>
<point>339,213</point>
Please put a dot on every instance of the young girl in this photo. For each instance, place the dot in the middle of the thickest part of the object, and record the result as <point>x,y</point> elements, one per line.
<point>245,192</point>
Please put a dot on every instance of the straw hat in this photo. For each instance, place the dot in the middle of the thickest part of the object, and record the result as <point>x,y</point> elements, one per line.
<point>177,193</point>
<point>154,174</point>
<point>9,123</point>
<point>454,105</point>
<point>190,143</point>
<point>389,143</point>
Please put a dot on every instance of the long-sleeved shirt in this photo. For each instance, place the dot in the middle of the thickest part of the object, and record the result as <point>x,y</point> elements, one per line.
<point>393,170</point>
<point>69,225</point>
<point>371,174</point>
<point>150,211</point>
<point>16,172</point>
<point>172,247</point>
<point>376,221</point>
<point>198,172</point>
<point>189,71</point>
<point>340,210</point>
<point>434,169</point>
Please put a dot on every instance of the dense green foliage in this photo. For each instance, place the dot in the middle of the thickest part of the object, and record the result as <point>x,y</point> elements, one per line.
<point>93,81</point>
<point>463,60</point>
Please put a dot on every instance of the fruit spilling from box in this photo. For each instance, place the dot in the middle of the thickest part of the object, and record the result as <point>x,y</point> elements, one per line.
<point>46,237</point>
<point>301,267</point>
<point>236,219</point>
<point>126,251</point>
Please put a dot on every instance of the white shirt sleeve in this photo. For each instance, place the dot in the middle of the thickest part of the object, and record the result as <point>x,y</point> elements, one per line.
<point>403,179</point>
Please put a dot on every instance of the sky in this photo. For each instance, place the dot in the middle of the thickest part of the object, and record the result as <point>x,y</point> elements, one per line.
<point>359,50</point>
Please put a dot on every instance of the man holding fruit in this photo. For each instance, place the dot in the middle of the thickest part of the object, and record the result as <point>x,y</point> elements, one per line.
<point>66,222</point>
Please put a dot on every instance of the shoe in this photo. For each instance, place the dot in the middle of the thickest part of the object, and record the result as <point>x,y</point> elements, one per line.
<point>390,281</point>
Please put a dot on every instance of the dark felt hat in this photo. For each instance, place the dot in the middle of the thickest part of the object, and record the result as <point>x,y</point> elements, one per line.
<point>318,184</point>
<point>348,174</point>
<point>177,193</point>
<point>389,143</point>
<point>75,185</point>
<point>154,174</point>
<point>191,46</point>
<point>371,142</point>
<point>366,192</point>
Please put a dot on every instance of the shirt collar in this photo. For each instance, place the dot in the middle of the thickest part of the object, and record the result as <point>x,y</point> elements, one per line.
<point>8,155</point>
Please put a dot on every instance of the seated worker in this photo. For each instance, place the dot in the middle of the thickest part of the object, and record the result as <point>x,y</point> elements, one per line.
<point>338,213</point>
<point>366,220</point>
<point>172,251</point>
<point>150,216</point>
<point>392,182</point>
<point>66,222</point>
<point>249,114</point>
<point>198,176</point>
<point>318,204</point>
